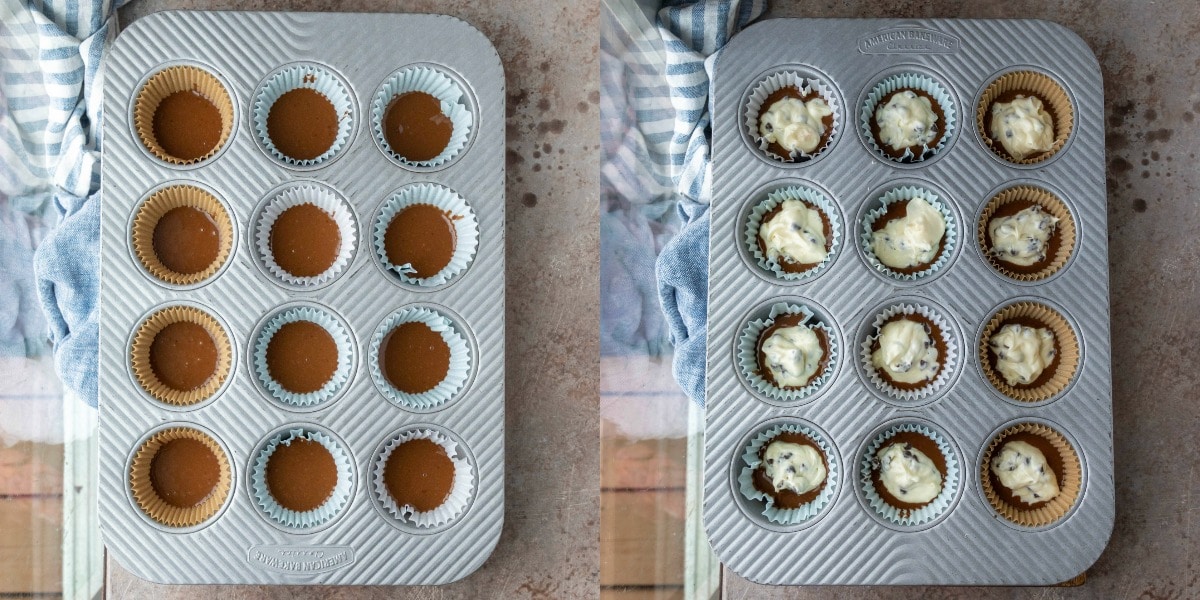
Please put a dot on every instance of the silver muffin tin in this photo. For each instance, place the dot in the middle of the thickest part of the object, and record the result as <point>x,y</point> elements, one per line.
<point>362,545</point>
<point>846,543</point>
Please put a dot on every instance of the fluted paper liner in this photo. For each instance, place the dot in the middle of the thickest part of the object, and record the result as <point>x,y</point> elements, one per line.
<point>904,194</point>
<point>456,375</point>
<point>140,355</point>
<point>918,516</point>
<point>337,500</point>
<point>148,500</point>
<point>1070,481</point>
<point>162,202</point>
<point>813,199</point>
<point>180,79</point>
<point>318,79</point>
<point>751,462</point>
<point>909,81</point>
<point>1066,344</point>
<point>328,201</point>
<point>437,84</point>
<point>341,338</point>
<point>460,491</point>
<point>949,361</point>
<point>805,85</point>
<point>1065,228</point>
<point>1048,91</point>
<point>747,354</point>
<point>466,228</point>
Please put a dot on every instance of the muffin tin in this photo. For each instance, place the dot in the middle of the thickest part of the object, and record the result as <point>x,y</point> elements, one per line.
<point>849,539</point>
<point>362,540</point>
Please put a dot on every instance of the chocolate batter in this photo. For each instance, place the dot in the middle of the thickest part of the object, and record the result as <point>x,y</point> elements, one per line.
<point>301,474</point>
<point>940,124</point>
<point>1047,373</point>
<point>187,125</point>
<point>302,357</point>
<point>786,265</point>
<point>899,210</point>
<point>184,472</point>
<point>183,356</point>
<point>935,336</point>
<point>302,123</point>
<point>186,240</point>
<point>305,240</point>
<point>1054,462</point>
<point>421,235</point>
<point>781,322</point>
<point>415,127</point>
<point>1009,96</point>
<point>787,498</point>
<point>418,473</point>
<point>793,92</point>
<point>927,447</point>
<point>414,358</point>
<point>1052,245</point>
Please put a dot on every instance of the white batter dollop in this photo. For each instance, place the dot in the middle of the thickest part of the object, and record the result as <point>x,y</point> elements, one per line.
<point>795,467</point>
<point>795,234</point>
<point>908,474</point>
<point>907,120</point>
<point>1022,353</point>
<point>793,355</point>
<point>1021,239</point>
<point>1022,126</point>
<point>906,352</point>
<point>1022,468</point>
<point>911,240</point>
<point>795,124</point>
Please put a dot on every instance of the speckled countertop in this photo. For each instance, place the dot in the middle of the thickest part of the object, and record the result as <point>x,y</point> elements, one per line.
<point>549,546</point>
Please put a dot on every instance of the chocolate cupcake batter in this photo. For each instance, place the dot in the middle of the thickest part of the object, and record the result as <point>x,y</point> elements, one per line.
<point>414,358</point>
<point>183,356</point>
<point>940,125</point>
<point>186,240</point>
<point>1053,245</point>
<point>1054,462</point>
<point>927,447</point>
<point>939,343</point>
<point>793,92</point>
<point>899,210</point>
<point>187,125</point>
<point>787,498</point>
<point>305,240</point>
<point>423,236</point>
<point>302,357</point>
<point>781,322</point>
<point>184,472</point>
<point>301,474</point>
<point>415,127</point>
<point>786,265</point>
<point>302,123</point>
<point>420,474</point>
<point>1047,373</point>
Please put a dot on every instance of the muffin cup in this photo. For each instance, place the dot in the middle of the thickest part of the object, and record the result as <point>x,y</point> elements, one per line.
<point>1065,343</point>
<point>456,375</point>
<point>910,517</point>
<point>1047,90</point>
<point>148,500</point>
<point>747,354</point>
<point>806,85</point>
<point>341,338</point>
<point>159,204</point>
<point>904,194</point>
<point>180,79</point>
<point>461,490</point>
<point>813,199</point>
<point>911,81</point>
<point>316,78</point>
<point>466,228</point>
<point>1047,202</point>
<point>805,512</point>
<point>338,498</point>
<point>1070,481</point>
<point>140,355</point>
<point>328,201</point>
<point>949,361</point>
<point>454,103</point>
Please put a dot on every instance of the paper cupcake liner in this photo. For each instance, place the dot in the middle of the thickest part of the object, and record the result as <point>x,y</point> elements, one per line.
<point>806,85</point>
<point>747,354</point>
<point>460,491</point>
<point>1049,203</point>
<point>456,375</point>
<point>345,350</point>
<point>789,516</point>
<point>918,516</point>
<point>814,199</point>
<point>1047,90</point>
<point>328,201</point>
<point>912,81</point>
<point>1070,481</point>
<point>338,498</point>
<point>159,204</point>
<point>167,82</point>
<point>903,194</point>
<point>1065,343</point>
<point>313,77</point>
<point>148,500</point>
<point>949,361</point>
<point>466,227</point>
<point>437,84</point>
<point>140,355</point>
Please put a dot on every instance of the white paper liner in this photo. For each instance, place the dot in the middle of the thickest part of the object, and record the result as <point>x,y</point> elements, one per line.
<point>322,198</point>
<point>747,354</point>
<point>910,517</point>
<point>328,322</point>
<point>776,82</point>
<point>901,194</point>
<point>466,228</point>
<point>814,199</point>
<point>456,375</point>
<point>915,81</point>
<point>338,498</point>
<point>324,82</point>
<point>460,491</point>
<point>788,516</point>
<point>454,105</point>
<point>949,362</point>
